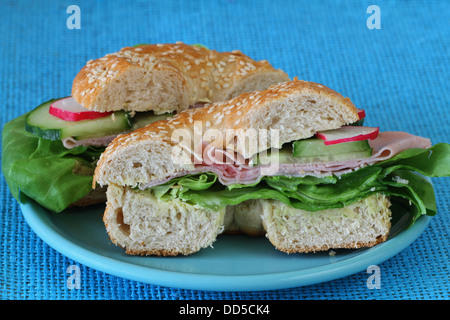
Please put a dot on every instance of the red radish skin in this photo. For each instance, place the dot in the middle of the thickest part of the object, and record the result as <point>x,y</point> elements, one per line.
<point>361,114</point>
<point>69,110</point>
<point>347,134</point>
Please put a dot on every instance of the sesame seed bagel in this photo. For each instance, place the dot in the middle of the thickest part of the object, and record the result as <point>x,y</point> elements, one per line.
<point>298,109</point>
<point>169,77</point>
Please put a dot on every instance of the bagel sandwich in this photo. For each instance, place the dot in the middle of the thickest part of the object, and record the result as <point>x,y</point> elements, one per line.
<point>293,162</point>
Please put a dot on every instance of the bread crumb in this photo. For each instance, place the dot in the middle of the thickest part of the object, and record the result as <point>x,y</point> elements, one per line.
<point>332,253</point>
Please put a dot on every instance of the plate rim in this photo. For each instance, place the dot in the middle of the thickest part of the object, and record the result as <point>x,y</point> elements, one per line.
<point>36,217</point>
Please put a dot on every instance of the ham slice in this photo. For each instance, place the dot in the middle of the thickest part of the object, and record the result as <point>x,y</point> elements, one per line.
<point>70,142</point>
<point>385,146</point>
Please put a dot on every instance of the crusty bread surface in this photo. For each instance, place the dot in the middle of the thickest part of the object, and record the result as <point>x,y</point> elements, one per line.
<point>169,77</point>
<point>294,109</point>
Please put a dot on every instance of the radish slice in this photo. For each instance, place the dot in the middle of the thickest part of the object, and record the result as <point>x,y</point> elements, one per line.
<point>347,134</point>
<point>361,114</point>
<point>69,110</point>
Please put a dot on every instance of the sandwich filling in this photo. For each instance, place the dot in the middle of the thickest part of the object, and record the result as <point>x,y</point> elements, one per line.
<point>52,160</point>
<point>394,164</point>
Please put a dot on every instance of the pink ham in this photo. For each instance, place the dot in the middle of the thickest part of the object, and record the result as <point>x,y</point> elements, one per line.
<point>385,146</point>
<point>70,143</point>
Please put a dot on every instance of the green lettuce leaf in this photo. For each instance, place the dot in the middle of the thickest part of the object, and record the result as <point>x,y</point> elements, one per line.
<point>401,177</point>
<point>45,170</point>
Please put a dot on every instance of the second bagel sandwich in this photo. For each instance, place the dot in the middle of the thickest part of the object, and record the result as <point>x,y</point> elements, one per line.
<point>49,153</point>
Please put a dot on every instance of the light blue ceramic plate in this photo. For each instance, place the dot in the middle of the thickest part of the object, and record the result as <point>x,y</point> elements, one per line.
<point>235,263</point>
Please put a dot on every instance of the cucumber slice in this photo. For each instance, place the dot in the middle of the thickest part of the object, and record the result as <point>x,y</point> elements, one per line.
<point>352,155</point>
<point>316,147</point>
<point>285,156</point>
<point>41,123</point>
<point>358,123</point>
<point>142,119</point>
<point>314,150</point>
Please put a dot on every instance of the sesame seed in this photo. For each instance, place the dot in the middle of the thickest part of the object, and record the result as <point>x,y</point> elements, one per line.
<point>219,121</point>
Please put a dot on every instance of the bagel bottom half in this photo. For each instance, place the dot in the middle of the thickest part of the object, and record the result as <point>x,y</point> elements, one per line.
<point>144,225</point>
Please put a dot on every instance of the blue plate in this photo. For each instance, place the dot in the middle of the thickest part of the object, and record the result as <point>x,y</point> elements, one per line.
<point>235,263</point>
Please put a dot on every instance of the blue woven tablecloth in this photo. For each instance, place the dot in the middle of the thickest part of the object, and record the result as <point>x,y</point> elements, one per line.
<point>399,74</point>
